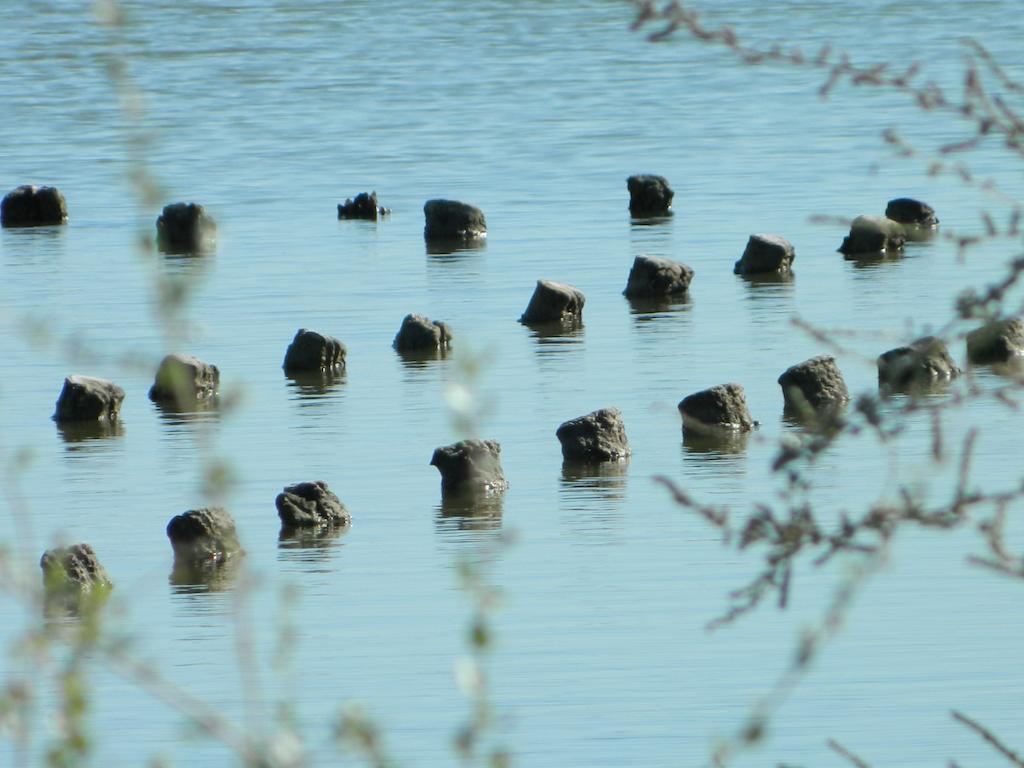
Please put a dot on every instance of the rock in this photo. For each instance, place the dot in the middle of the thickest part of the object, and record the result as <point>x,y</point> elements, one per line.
<point>925,362</point>
<point>305,505</point>
<point>470,466</point>
<point>75,569</point>
<point>32,206</point>
<point>720,408</point>
<point>653,277</point>
<point>906,210</point>
<point>554,303</point>
<point>765,254</point>
<point>452,220</point>
<point>312,352</point>
<point>202,537</point>
<point>364,206</point>
<point>873,234</point>
<point>184,381</point>
<point>420,334</point>
<point>649,195</point>
<point>999,341</point>
<point>185,228</point>
<point>598,436</point>
<point>84,398</point>
<point>815,383</point>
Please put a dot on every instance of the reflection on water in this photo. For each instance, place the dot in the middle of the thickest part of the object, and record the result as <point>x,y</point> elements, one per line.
<point>646,310</point>
<point>421,358</point>
<point>592,495</point>
<point>651,221</point>
<point>725,443</point>
<point>569,332</point>
<point>454,250</point>
<point>875,259</point>
<point>469,513</point>
<point>769,285</point>
<point>309,545</point>
<point>311,385</point>
<point>198,413</point>
<point>826,420</point>
<point>73,432</point>
<point>191,579</point>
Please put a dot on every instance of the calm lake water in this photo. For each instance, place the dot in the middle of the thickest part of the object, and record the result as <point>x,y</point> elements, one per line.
<point>270,113</point>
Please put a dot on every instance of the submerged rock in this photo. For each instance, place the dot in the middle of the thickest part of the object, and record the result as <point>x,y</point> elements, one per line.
<point>871,235</point>
<point>185,228</point>
<point>716,409</point>
<point>32,206</point>
<point>598,436</point>
<point>470,466</point>
<point>183,381</point>
<point>649,195</point>
<point>203,537</point>
<point>906,210</point>
<point>765,254</point>
<point>312,352</point>
<point>652,277</point>
<point>84,398</point>
<point>305,505</point>
<point>554,303</point>
<point>923,363</point>
<point>452,220</point>
<point>816,383</point>
<point>73,569</point>
<point>419,334</point>
<point>999,341</point>
<point>363,206</point>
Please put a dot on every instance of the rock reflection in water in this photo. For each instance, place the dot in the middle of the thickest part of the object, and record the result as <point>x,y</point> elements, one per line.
<point>416,359</point>
<point>461,513</point>
<point>196,413</point>
<point>651,221</point>
<point>647,310</point>
<point>772,284</point>
<point>455,249</point>
<point>722,443</point>
<point>592,494</point>
<point>191,578</point>
<point>73,432</point>
<point>570,332</point>
<point>309,545</point>
<point>314,384</point>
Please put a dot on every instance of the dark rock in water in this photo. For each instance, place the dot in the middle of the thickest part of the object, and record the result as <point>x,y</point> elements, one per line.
<point>554,303</point>
<point>452,220</point>
<point>74,568</point>
<point>420,334</point>
<point>32,206</point>
<point>204,536</point>
<point>923,363</point>
<point>363,206</point>
<point>653,277</point>
<point>765,254</point>
<point>873,234</point>
<point>906,210</point>
<point>312,352</point>
<point>470,466</point>
<point>184,381</point>
<point>813,384</point>
<point>598,436</point>
<point>185,228</point>
<point>84,398</point>
<point>999,341</point>
<point>306,505</point>
<point>649,195</point>
<point>720,408</point>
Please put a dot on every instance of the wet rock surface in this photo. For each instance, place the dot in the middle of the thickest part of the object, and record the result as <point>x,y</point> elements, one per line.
<point>451,220</point>
<point>420,334</point>
<point>923,363</point>
<point>312,352</point>
<point>554,303</point>
<point>183,381</point>
<point>649,195</point>
<point>598,436</point>
<point>306,505</point>
<point>873,235</point>
<point>723,407</point>
<point>32,206</point>
<point>906,210</point>
<point>88,399</point>
<point>765,254</point>
<point>997,342</point>
<point>362,206</point>
<point>185,228</point>
<point>652,277</point>
<point>203,537</point>
<point>470,466</point>
<point>814,384</point>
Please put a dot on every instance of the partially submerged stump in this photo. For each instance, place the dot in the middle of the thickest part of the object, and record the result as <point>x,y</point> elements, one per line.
<point>185,228</point>
<point>73,571</point>
<point>649,195</point>
<point>470,466</point>
<point>598,436</point>
<point>872,235</point>
<point>652,277</point>
<point>183,381</point>
<point>554,303</point>
<point>813,385</point>
<point>420,334</point>
<point>906,210</point>
<point>718,409</point>
<point>203,537</point>
<point>307,505</point>
<point>84,398</point>
<point>923,363</point>
<point>765,254</point>
<point>363,206</point>
<point>999,341</point>
<point>32,206</point>
<point>312,352</point>
<point>452,220</point>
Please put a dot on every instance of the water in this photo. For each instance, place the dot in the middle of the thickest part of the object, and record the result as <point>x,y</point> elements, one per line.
<point>270,114</point>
